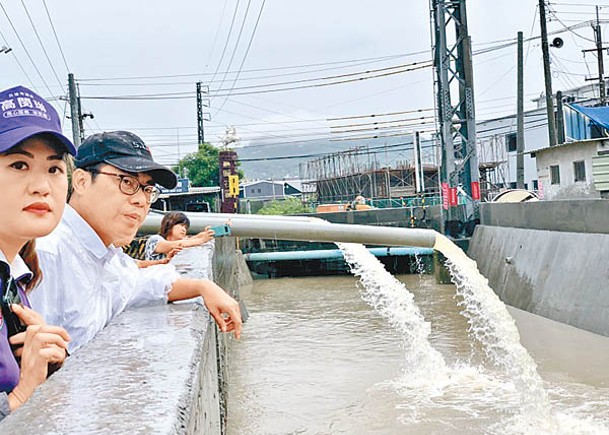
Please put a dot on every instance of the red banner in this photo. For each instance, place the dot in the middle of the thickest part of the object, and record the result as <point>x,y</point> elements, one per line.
<point>452,196</point>
<point>476,190</point>
<point>445,196</point>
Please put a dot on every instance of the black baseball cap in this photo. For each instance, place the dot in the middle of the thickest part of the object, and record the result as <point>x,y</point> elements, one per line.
<point>127,152</point>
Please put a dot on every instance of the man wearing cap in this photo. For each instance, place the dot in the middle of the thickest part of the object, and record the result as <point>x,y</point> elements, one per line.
<point>90,279</point>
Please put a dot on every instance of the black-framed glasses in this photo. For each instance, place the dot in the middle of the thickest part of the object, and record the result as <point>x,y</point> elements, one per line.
<point>130,185</point>
<point>10,295</point>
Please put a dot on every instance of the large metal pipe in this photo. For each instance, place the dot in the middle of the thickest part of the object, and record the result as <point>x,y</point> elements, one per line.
<point>303,228</point>
<point>327,254</point>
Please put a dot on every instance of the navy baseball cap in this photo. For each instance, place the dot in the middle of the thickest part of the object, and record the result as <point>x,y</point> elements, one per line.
<point>125,151</point>
<point>25,114</point>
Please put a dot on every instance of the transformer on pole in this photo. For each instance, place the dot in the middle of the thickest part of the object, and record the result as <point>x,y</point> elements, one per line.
<point>455,103</point>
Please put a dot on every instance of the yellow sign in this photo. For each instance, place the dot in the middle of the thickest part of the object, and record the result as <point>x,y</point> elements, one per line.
<point>233,185</point>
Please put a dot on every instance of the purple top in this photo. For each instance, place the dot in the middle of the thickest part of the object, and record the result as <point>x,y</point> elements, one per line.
<point>9,368</point>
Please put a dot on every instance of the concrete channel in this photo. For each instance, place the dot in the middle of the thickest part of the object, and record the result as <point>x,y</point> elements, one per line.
<point>162,369</point>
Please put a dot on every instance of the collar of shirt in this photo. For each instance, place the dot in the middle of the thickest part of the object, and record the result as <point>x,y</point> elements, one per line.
<point>87,236</point>
<point>19,270</point>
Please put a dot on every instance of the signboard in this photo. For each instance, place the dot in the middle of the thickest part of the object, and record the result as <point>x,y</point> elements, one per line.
<point>228,172</point>
<point>452,196</point>
<point>476,190</point>
<point>445,196</point>
<point>183,186</point>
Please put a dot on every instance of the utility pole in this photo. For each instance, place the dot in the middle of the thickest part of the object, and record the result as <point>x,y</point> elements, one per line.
<point>599,54</point>
<point>560,119</point>
<point>74,110</point>
<point>547,73</point>
<point>601,67</point>
<point>520,117</point>
<point>200,131</point>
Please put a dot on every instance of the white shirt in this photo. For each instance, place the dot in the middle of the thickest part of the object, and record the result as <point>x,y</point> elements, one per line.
<point>86,284</point>
<point>18,268</point>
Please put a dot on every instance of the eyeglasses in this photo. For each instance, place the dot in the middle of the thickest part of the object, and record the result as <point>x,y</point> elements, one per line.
<point>10,295</point>
<point>130,185</point>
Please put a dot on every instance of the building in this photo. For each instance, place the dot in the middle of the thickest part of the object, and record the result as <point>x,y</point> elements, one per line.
<point>497,138</point>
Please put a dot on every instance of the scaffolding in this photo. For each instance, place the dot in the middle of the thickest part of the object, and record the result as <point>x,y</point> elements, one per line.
<point>339,177</point>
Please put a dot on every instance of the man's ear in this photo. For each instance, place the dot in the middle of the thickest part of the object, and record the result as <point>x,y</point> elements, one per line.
<point>80,180</point>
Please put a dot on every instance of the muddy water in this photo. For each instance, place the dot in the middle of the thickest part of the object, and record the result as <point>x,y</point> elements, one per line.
<point>315,358</point>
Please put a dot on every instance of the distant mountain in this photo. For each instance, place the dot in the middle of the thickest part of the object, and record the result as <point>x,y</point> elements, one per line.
<point>265,160</point>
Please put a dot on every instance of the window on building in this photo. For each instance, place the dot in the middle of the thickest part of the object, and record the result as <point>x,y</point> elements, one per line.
<point>535,185</point>
<point>510,142</point>
<point>554,174</point>
<point>579,170</point>
<point>513,185</point>
<point>259,190</point>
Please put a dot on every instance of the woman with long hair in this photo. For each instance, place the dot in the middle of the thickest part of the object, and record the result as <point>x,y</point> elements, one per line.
<point>34,157</point>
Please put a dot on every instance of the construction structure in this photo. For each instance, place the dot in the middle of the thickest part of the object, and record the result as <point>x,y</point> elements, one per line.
<point>341,176</point>
<point>455,103</point>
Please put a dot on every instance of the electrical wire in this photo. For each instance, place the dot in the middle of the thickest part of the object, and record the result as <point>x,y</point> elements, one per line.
<point>249,45</point>
<point>63,56</point>
<point>19,63</point>
<point>25,49</point>
<point>44,50</point>
<point>239,34</point>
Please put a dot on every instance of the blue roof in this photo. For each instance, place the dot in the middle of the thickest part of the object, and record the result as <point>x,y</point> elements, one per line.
<point>598,115</point>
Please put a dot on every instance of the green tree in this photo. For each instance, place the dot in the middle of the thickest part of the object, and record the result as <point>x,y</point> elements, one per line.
<point>290,205</point>
<point>201,166</point>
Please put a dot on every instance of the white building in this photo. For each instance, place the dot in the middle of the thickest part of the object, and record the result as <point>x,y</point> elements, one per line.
<point>571,170</point>
<point>497,138</point>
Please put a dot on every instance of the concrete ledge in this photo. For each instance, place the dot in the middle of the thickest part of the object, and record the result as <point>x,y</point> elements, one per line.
<point>151,371</point>
<point>577,216</point>
<point>558,275</point>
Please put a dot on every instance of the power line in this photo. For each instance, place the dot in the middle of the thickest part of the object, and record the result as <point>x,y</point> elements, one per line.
<point>249,45</point>
<point>65,62</point>
<point>230,30</point>
<point>364,60</point>
<point>25,49</point>
<point>27,76</point>
<point>189,95</point>
<point>44,50</point>
<point>217,32</point>
<point>232,57</point>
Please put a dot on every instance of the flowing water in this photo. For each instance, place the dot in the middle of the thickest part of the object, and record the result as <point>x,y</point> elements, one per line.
<point>380,356</point>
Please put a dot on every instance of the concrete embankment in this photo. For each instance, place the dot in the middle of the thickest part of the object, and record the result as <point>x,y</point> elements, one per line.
<point>548,258</point>
<point>158,370</point>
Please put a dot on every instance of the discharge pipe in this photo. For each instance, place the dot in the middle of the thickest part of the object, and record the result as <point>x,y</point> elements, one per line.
<point>302,228</point>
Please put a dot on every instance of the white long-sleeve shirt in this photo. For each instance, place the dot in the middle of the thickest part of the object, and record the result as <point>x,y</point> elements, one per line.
<point>86,284</point>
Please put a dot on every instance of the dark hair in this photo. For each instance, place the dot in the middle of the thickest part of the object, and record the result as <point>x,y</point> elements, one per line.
<point>172,219</point>
<point>28,253</point>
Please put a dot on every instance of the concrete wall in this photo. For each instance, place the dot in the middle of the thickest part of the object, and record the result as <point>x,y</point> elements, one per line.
<point>548,258</point>
<point>583,216</point>
<point>154,370</point>
<point>559,275</point>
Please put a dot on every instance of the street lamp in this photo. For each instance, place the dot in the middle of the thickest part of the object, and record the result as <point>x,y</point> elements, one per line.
<point>5,49</point>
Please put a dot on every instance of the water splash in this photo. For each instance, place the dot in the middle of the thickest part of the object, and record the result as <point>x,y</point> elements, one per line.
<point>494,327</point>
<point>394,302</point>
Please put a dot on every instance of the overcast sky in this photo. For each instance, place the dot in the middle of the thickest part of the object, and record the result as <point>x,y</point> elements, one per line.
<point>115,48</point>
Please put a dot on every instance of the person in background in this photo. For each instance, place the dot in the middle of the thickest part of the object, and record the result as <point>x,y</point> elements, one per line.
<point>33,176</point>
<point>172,237</point>
<point>90,279</point>
<point>192,256</point>
<point>359,203</point>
